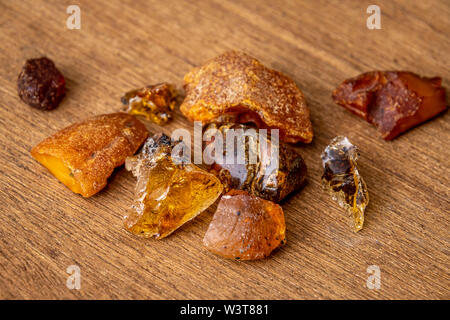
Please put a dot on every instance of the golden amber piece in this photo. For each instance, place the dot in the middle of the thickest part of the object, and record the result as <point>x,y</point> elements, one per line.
<point>83,155</point>
<point>169,190</point>
<point>245,227</point>
<point>237,88</point>
<point>275,171</point>
<point>394,101</point>
<point>342,179</point>
<point>155,102</point>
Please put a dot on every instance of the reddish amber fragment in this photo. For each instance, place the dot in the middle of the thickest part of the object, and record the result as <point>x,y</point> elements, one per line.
<point>84,155</point>
<point>268,170</point>
<point>169,190</point>
<point>394,101</point>
<point>155,103</point>
<point>342,179</point>
<point>235,87</point>
<point>245,227</point>
<point>40,84</point>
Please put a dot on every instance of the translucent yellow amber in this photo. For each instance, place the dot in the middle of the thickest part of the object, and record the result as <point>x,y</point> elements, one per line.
<point>155,102</point>
<point>168,193</point>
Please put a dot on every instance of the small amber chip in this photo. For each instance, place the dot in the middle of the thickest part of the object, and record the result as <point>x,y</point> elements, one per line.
<point>155,102</point>
<point>270,170</point>
<point>343,181</point>
<point>235,87</point>
<point>394,101</point>
<point>169,190</point>
<point>40,84</point>
<point>83,155</point>
<point>245,227</point>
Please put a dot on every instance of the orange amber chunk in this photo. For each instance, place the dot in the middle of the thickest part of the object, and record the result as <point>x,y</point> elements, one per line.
<point>394,101</point>
<point>155,103</point>
<point>169,190</point>
<point>245,227</point>
<point>237,88</point>
<point>343,181</point>
<point>83,155</point>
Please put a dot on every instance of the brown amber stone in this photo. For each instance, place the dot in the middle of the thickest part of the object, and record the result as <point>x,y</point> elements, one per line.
<point>394,101</point>
<point>245,227</point>
<point>155,102</point>
<point>40,84</point>
<point>169,190</point>
<point>83,155</point>
<point>267,169</point>
<point>235,87</point>
<point>342,179</point>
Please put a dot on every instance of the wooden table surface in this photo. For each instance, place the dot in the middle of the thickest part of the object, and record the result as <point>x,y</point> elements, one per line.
<point>123,45</point>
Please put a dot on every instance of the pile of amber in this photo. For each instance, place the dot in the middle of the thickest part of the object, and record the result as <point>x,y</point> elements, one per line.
<point>230,93</point>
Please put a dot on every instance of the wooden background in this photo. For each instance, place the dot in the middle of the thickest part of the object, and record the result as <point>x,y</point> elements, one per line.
<point>44,227</point>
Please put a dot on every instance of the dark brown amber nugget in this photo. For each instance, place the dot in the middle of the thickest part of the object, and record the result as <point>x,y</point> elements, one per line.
<point>40,84</point>
<point>268,169</point>
<point>245,227</point>
<point>155,102</point>
<point>394,101</point>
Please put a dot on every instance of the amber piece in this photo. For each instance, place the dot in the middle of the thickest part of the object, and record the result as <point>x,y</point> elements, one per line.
<point>83,155</point>
<point>169,190</point>
<point>235,87</point>
<point>394,101</point>
<point>245,227</point>
<point>275,170</point>
<point>40,84</point>
<point>342,179</point>
<point>155,102</point>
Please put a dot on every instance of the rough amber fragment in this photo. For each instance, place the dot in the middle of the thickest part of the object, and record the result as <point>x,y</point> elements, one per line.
<point>83,155</point>
<point>155,102</point>
<point>40,84</point>
<point>245,227</point>
<point>169,190</point>
<point>342,179</point>
<point>235,87</point>
<point>394,101</point>
<point>270,170</point>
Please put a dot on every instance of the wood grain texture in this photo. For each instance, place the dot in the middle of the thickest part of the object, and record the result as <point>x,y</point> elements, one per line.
<point>123,45</point>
